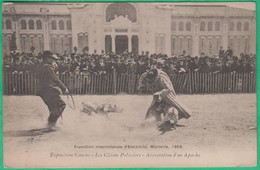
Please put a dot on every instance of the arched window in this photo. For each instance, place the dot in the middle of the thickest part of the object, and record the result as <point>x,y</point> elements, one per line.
<point>8,24</point>
<point>210,26</point>
<point>39,24</point>
<point>23,25</point>
<point>121,9</point>
<point>239,26</point>
<point>188,26</point>
<point>173,26</point>
<point>181,26</point>
<point>53,25</point>
<point>246,26</point>
<point>217,26</point>
<point>31,24</point>
<point>231,26</point>
<point>61,25</point>
<point>202,26</point>
<point>68,23</point>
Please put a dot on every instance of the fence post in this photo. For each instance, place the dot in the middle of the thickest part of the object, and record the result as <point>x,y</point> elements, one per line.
<point>114,81</point>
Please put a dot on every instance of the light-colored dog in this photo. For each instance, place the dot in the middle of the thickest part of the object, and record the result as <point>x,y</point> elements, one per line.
<point>104,109</point>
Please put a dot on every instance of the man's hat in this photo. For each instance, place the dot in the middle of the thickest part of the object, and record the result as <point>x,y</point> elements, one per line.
<point>54,56</point>
<point>48,54</point>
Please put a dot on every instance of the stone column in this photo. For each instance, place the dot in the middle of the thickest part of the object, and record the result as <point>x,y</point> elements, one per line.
<point>225,30</point>
<point>129,43</point>
<point>252,44</point>
<point>46,35</point>
<point>74,30</point>
<point>46,31</point>
<point>17,34</point>
<point>16,27</point>
<point>195,38</point>
<point>113,37</point>
<point>225,34</point>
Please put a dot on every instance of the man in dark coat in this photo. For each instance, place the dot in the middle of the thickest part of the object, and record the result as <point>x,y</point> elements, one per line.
<point>221,52</point>
<point>49,87</point>
<point>229,52</point>
<point>13,46</point>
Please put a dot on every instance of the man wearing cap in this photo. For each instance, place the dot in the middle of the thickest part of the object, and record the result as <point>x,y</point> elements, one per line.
<point>49,87</point>
<point>159,83</point>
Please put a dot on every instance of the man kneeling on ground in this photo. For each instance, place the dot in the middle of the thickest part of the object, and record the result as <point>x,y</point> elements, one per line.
<point>159,83</point>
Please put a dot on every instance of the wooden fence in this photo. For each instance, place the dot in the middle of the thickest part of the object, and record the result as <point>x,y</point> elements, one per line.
<point>186,83</point>
<point>202,83</point>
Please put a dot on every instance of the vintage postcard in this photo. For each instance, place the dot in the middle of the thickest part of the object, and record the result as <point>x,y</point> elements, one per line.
<point>129,85</point>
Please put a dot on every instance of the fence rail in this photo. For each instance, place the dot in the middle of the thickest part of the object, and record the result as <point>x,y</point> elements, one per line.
<point>186,83</point>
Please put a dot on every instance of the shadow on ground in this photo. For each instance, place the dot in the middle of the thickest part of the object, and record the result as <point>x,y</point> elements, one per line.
<point>32,132</point>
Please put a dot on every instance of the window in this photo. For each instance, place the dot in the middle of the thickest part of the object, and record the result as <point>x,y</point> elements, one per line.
<point>246,26</point>
<point>53,25</point>
<point>210,25</point>
<point>231,26</point>
<point>239,26</point>
<point>202,26</point>
<point>8,24</point>
<point>188,26</point>
<point>173,26</point>
<point>181,26</point>
<point>31,24</point>
<point>68,23</point>
<point>39,24</point>
<point>61,25</point>
<point>217,26</point>
<point>23,25</point>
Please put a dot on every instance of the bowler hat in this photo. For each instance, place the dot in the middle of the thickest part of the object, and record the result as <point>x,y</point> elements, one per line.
<point>46,54</point>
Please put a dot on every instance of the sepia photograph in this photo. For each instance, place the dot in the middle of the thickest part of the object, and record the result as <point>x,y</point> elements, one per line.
<point>129,85</point>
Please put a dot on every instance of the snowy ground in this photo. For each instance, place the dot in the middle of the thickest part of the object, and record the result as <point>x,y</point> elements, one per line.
<point>221,132</point>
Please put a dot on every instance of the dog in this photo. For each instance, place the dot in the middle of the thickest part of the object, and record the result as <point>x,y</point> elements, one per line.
<point>103,110</point>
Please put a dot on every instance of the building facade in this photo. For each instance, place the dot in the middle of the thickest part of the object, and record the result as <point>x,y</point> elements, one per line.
<point>134,27</point>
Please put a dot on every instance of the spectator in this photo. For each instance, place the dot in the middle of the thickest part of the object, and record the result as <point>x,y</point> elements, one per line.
<point>229,52</point>
<point>131,67</point>
<point>129,63</point>
<point>221,52</point>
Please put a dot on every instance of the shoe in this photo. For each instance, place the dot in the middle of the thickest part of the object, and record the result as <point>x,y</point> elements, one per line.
<point>51,126</point>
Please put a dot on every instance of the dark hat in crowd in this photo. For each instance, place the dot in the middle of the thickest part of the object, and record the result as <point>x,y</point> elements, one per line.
<point>48,54</point>
<point>32,48</point>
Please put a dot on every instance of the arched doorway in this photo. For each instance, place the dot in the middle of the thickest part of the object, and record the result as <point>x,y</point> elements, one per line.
<point>121,9</point>
<point>122,24</point>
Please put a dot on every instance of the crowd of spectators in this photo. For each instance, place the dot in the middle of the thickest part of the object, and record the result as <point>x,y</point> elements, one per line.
<point>129,63</point>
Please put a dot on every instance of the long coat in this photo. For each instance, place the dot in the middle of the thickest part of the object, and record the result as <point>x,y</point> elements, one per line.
<point>163,88</point>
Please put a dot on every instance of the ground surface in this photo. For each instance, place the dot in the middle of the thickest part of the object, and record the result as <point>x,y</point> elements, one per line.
<point>221,132</point>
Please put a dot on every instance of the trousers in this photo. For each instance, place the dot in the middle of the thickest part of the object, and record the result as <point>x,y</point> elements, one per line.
<point>55,105</point>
